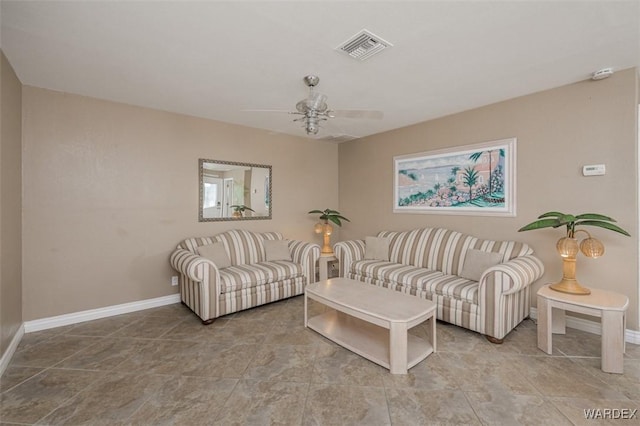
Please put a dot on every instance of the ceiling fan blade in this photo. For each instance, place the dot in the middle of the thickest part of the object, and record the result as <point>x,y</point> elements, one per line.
<point>269,110</point>
<point>357,113</point>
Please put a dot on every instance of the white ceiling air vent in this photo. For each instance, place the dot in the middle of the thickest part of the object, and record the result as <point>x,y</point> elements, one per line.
<point>363,45</point>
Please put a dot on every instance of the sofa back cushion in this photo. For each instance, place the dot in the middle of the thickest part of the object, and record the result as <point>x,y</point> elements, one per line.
<point>216,253</point>
<point>243,247</point>
<point>444,250</point>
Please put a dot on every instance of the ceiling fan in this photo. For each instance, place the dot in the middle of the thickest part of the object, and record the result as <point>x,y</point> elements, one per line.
<point>314,109</point>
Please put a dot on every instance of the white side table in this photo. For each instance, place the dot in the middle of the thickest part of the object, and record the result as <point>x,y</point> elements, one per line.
<point>323,265</point>
<point>609,306</point>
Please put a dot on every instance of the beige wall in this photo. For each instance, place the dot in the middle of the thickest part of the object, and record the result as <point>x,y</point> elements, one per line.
<point>558,132</point>
<point>10,204</point>
<point>110,189</point>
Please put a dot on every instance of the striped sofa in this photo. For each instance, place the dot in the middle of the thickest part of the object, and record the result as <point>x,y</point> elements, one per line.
<point>427,263</point>
<point>250,280</point>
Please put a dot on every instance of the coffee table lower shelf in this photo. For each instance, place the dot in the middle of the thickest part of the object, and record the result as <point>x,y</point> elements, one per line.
<point>367,340</point>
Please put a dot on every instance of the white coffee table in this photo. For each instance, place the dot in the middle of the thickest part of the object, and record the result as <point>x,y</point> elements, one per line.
<point>373,321</point>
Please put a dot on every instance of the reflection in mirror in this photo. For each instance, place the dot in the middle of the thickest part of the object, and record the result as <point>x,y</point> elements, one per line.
<point>234,191</point>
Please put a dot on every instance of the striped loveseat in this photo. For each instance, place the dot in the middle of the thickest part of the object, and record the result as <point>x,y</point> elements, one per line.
<point>248,275</point>
<point>428,263</point>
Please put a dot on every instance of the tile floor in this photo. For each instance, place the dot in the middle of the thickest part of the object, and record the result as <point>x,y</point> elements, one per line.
<point>162,367</point>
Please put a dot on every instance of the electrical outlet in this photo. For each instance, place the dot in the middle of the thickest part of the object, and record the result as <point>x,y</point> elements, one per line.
<point>174,280</point>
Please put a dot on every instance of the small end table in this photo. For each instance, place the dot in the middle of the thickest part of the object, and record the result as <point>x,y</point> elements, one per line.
<point>324,263</point>
<point>609,306</point>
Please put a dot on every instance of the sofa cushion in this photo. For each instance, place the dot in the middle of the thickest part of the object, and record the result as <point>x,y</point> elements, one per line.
<point>432,282</point>
<point>478,261</point>
<point>277,250</point>
<point>437,249</point>
<point>454,287</point>
<point>443,249</point>
<point>216,253</point>
<point>242,246</point>
<point>376,248</point>
<point>393,272</point>
<point>244,276</point>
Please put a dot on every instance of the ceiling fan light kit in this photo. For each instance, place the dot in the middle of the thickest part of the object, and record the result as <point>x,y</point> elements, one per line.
<point>314,108</point>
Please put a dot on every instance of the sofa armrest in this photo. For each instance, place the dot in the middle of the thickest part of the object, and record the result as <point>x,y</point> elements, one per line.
<point>306,254</point>
<point>347,252</point>
<point>513,276</point>
<point>188,264</point>
<point>503,294</point>
<point>199,283</point>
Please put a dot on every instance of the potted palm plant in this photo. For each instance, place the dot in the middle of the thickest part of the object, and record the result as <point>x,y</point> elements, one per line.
<point>324,227</point>
<point>568,246</point>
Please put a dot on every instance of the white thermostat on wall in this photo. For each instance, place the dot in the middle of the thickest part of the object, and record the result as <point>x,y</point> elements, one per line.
<point>593,170</point>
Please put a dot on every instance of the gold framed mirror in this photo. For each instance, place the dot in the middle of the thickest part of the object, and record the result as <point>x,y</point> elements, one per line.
<point>233,191</point>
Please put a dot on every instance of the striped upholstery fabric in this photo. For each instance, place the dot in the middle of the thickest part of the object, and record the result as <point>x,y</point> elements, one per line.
<point>426,262</point>
<point>243,276</point>
<point>242,246</point>
<point>444,250</point>
<point>199,279</point>
<point>251,281</point>
<point>249,297</point>
<point>347,252</point>
<point>390,272</point>
<point>421,279</point>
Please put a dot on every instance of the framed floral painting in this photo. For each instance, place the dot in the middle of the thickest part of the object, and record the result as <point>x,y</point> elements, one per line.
<point>477,179</point>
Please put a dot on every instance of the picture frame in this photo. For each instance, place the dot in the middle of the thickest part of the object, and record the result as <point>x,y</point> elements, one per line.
<point>477,179</point>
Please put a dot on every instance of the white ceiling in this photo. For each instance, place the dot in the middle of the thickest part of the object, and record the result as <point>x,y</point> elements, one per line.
<point>217,59</point>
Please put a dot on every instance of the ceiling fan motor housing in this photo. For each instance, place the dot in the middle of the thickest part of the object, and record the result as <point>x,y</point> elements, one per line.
<point>311,80</point>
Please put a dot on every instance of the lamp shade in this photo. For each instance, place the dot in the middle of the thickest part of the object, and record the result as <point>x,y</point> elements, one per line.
<point>567,247</point>
<point>318,228</point>
<point>592,247</point>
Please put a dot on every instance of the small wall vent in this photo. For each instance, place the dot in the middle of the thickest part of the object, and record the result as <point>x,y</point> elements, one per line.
<point>363,45</point>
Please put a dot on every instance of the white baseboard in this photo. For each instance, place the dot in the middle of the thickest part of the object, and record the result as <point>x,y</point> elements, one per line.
<point>8,354</point>
<point>93,314</point>
<point>630,336</point>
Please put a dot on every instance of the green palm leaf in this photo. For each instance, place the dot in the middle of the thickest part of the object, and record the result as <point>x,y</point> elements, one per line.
<point>539,224</point>
<point>555,219</point>
<point>335,220</point>
<point>606,225</point>
<point>330,215</point>
<point>551,214</point>
<point>595,216</point>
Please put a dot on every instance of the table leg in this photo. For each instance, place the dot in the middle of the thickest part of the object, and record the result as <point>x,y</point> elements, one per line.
<point>624,331</point>
<point>544,325</point>
<point>398,348</point>
<point>305,310</point>
<point>323,263</point>
<point>432,332</point>
<point>558,321</point>
<point>612,341</point>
